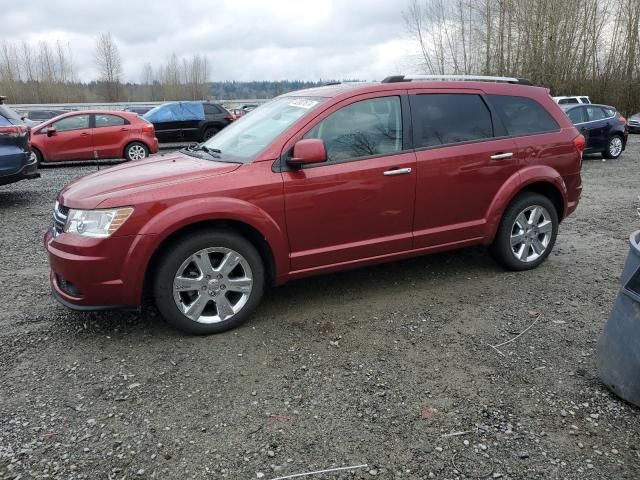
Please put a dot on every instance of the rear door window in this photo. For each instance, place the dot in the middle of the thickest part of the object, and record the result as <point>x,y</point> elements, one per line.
<point>595,113</point>
<point>584,100</point>
<point>576,115</point>
<point>449,118</point>
<point>362,129</point>
<point>522,115</point>
<point>109,121</point>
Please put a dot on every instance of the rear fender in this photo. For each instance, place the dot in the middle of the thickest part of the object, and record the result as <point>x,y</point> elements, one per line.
<point>516,184</point>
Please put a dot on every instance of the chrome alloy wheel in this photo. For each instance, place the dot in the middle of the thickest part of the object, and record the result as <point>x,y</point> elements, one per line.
<point>212,285</point>
<point>615,146</point>
<point>137,152</point>
<point>531,233</point>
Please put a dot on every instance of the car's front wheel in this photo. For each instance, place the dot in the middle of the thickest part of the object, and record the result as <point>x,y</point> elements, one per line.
<point>614,147</point>
<point>36,156</point>
<point>209,282</point>
<point>527,232</point>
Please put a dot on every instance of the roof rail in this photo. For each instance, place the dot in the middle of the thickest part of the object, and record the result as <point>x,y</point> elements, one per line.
<point>481,78</point>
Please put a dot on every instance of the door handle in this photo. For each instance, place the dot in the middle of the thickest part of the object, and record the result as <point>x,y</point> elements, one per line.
<point>397,171</point>
<point>501,156</point>
<point>84,134</point>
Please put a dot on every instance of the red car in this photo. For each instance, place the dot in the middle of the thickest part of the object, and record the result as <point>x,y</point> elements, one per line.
<point>93,134</point>
<point>316,181</point>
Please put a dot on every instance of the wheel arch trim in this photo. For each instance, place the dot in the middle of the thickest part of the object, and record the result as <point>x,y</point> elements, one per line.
<point>210,212</point>
<point>534,178</point>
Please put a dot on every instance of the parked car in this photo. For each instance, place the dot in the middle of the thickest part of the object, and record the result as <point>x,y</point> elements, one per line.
<point>236,113</point>
<point>39,116</point>
<point>15,151</point>
<point>140,110</point>
<point>248,107</point>
<point>604,129</point>
<point>633,124</point>
<point>188,121</point>
<point>316,181</point>
<point>93,134</point>
<point>571,100</point>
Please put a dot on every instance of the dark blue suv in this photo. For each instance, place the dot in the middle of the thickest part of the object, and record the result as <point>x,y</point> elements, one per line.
<point>16,162</point>
<point>603,128</point>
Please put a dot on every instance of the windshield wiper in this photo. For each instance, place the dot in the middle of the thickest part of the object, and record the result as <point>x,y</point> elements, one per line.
<point>212,152</point>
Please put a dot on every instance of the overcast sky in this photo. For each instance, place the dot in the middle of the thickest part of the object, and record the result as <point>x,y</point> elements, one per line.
<point>242,39</point>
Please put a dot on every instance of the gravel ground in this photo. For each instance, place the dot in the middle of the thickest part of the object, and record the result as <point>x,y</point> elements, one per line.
<point>388,366</point>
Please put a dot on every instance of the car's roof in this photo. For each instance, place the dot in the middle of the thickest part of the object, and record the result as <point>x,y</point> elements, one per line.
<point>569,106</point>
<point>357,88</point>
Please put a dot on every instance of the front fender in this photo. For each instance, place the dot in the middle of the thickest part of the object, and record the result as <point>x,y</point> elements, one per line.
<point>163,224</point>
<point>516,184</point>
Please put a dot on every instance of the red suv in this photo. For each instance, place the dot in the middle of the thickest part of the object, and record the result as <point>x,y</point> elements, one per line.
<point>90,135</point>
<point>316,181</point>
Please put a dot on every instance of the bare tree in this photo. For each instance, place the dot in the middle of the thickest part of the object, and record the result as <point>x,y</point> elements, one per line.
<point>109,65</point>
<point>585,47</point>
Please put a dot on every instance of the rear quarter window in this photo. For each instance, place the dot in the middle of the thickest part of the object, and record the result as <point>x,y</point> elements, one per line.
<point>523,116</point>
<point>210,109</point>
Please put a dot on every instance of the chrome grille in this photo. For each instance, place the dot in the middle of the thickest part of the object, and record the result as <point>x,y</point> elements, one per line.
<point>59,218</point>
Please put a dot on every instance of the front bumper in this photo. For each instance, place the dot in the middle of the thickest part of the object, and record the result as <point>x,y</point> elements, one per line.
<point>633,128</point>
<point>27,172</point>
<point>97,274</point>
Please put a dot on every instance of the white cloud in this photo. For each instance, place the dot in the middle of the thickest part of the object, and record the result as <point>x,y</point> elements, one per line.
<point>242,39</point>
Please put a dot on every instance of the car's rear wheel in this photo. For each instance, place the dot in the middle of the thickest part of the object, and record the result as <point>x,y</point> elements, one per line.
<point>136,151</point>
<point>209,282</point>
<point>208,133</point>
<point>527,232</point>
<point>614,147</point>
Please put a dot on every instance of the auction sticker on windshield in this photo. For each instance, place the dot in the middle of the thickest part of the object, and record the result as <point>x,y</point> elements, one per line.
<point>303,103</point>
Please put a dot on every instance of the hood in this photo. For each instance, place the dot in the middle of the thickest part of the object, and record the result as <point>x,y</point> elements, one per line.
<point>635,116</point>
<point>137,177</point>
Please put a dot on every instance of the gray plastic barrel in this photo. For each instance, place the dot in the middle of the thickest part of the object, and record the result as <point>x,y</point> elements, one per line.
<point>618,355</point>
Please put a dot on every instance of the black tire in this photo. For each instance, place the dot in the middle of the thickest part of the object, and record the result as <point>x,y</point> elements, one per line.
<point>208,133</point>
<point>134,150</point>
<point>173,259</point>
<point>38,155</point>
<point>501,248</point>
<point>607,153</point>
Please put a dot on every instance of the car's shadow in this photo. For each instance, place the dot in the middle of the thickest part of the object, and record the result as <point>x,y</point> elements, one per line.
<point>345,286</point>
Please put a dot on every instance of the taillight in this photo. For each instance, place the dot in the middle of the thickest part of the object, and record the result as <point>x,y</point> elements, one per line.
<point>148,128</point>
<point>230,117</point>
<point>579,143</point>
<point>622,120</point>
<point>13,131</point>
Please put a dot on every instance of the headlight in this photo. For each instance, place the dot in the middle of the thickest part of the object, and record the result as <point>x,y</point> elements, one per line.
<point>96,223</point>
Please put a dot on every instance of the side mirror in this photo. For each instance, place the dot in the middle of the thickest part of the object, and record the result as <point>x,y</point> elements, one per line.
<point>307,151</point>
<point>51,131</point>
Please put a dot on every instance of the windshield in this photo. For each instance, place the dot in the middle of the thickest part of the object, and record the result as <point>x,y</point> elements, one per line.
<point>245,138</point>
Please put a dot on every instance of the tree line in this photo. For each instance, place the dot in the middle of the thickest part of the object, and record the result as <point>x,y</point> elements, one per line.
<point>573,47</point>
<point>44,73</point>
